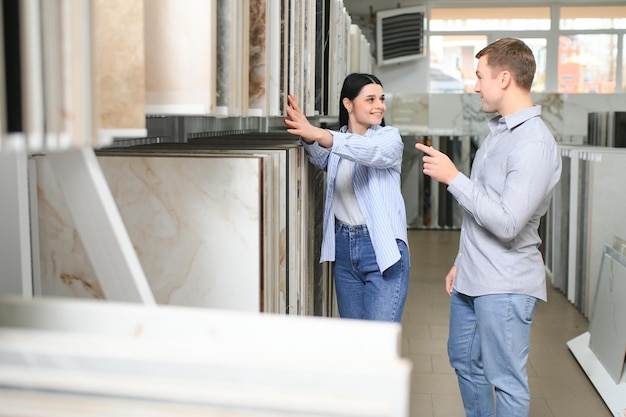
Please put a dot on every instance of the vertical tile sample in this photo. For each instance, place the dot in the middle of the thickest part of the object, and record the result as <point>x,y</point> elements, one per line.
<point>32,90</point>
<point>52,74</point>
<point>259,51</point>
<point>120,65</point>
<point>321,58</point>
<point>180,56</point>
<point>607,328</point>
<point>232,63</point>
<point>355,49</point>
<point>601,210</point>
<point>79,105</point>
<point>296,49</point>
<point>308,57</point>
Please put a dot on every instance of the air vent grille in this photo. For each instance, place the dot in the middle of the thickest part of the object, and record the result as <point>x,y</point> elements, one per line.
<point>400,35</point>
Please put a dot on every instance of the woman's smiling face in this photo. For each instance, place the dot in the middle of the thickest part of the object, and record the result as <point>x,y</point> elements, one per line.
<point>366,109</point>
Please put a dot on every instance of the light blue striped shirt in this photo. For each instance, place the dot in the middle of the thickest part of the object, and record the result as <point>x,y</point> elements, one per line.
<point>512,181</point>
<point>378,159</point>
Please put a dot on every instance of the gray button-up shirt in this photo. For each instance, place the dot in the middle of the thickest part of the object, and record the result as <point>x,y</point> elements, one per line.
<point>511,185</point>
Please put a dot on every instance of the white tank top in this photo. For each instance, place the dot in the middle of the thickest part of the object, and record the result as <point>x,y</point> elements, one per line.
<point>345,205</point>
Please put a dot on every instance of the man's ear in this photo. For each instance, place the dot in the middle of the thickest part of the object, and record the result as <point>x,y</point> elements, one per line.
<point>505,79</point>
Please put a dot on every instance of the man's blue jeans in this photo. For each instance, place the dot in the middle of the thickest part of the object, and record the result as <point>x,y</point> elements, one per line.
<point>362,291</point>
<point>488,348</point>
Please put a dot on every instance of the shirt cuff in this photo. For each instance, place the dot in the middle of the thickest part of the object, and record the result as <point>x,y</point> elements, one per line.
<point>339,140</point>
<point>459,184</point>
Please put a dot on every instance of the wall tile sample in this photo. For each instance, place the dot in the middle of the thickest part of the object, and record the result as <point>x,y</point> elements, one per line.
<point>119,40</point>
<point>194,222</point>
<point>180,56</point>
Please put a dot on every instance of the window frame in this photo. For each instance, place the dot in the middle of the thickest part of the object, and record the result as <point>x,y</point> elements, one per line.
<point>552,42</point>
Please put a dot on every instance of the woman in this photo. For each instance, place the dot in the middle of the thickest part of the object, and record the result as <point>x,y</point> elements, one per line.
<point>364,232</point>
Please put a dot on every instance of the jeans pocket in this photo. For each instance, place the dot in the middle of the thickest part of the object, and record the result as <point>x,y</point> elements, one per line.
<point>530,307</point>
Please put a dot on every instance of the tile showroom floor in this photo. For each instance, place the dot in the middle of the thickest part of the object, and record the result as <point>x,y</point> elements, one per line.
<point>559,387</point>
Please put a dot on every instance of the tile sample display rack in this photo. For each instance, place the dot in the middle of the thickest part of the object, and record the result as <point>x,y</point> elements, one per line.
<point>85,357</point>
<point>601,351</point>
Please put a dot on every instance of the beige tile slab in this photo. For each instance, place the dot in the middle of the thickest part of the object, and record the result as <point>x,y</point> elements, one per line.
<point>120,63</point>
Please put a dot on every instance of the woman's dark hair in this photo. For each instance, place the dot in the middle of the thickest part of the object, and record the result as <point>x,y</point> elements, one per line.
<point>352,86</point>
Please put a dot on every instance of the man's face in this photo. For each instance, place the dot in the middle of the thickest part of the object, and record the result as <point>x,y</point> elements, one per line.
<point>488,85</point>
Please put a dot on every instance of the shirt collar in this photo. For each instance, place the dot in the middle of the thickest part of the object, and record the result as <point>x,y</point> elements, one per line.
<point>344,129</point>
<point>513,120</point>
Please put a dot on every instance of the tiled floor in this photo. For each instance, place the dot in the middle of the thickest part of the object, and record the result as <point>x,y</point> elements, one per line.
<point>559,387</point>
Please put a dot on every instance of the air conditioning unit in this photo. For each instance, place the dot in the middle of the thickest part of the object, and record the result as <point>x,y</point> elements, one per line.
<point>400,35</point>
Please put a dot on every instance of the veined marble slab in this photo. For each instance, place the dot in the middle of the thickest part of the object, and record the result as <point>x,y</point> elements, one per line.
<point>260,47</point>
<point>194,222</point>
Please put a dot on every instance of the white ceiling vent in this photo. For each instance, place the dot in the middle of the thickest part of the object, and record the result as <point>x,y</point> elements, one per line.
<point>399,35</point>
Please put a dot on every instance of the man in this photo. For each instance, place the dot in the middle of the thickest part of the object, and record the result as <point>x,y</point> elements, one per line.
<point>498,275</point>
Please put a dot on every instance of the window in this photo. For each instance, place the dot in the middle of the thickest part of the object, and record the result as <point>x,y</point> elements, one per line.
<point>592,17</point>
<point>587,63</point>
<point>590,56</point>
<point>539,48</point>
<point>453,62</point>
<point>494,18</point>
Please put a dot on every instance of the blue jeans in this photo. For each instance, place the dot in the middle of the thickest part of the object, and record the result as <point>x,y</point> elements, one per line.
<point>488,348</point>
<point>362,291</point>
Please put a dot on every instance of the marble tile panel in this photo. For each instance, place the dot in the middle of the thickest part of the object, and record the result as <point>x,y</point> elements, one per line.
<point>232,57</point>
<point>308,58</point>
<point>274,230</point>
<point>53,74</point>
<point>410,113</point>
<point>180,57</point>
<point>284,234</point>
<point>31,118</point>
<point>474,118</point>
<point>367,60</point>
<point>274,92</point>
<point>445,116</point>
<point>119,40</point>
<point>577,106</point>
<point>320,61</point>
<point>258,57</point>
<point>551,112</point>
<point>296,53</point>
<point>224,72</point>
<point>338,69</point>
<point>77,110</point>
<point>355,49</point>
<point>194,222</point>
